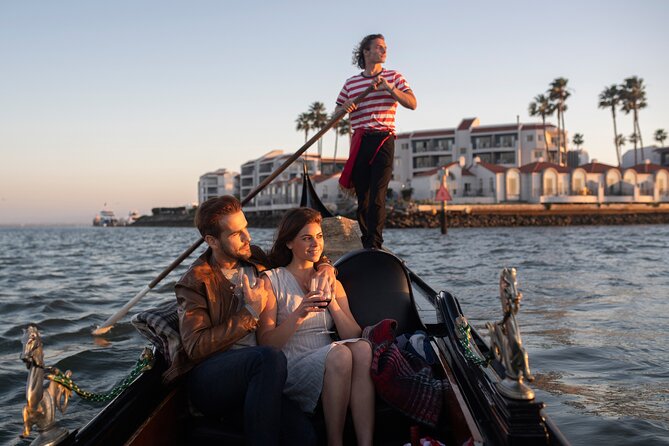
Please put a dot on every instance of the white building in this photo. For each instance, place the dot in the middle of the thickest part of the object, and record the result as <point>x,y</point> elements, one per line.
<point>285,191</point>
<point>217,183</point>
<point>508,145</point>
<point>254,172</point>
<point>543,182</point>
<point>656,155</point>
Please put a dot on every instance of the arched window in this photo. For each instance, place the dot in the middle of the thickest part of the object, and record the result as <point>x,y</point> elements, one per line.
<point>578,182</point>
<point>662,178</point>
<point>613,181</point>
<point>550,182</point>
<point>512,185</point>
<point>629,181</point>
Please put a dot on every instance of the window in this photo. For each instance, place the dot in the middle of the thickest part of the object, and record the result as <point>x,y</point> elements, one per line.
<point>538,154</point>
<point>529,138</point>
<point>512,184</point>
<point>405,146</point>
<point>485,157</point>
<point>505,158</point>
<point>443,160</point>
<point>505,140</point>
<point>419,146</point>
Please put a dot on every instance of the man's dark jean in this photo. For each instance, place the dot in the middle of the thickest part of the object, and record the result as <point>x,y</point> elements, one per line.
<point>250,380</point>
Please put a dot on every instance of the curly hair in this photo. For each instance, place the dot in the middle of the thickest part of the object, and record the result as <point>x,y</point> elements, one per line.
<point>210,212</point>
<point>365,43</point>
<point>291,225</point>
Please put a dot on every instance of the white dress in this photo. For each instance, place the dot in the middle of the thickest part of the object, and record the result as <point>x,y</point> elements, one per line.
<point>307,349</point>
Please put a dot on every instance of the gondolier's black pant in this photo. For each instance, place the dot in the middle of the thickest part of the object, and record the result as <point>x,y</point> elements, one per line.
<point>246,386</point>
<point>371,174</point>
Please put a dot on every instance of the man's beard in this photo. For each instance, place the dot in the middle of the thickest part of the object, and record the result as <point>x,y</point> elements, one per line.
<point>243,253</point>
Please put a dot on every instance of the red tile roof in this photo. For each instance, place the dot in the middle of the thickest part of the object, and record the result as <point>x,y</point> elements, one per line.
<point>648,168</point>
<point>322,177</point>
<point>540,166</point>
<point>433,171</point>
<point>496,128</point>
<point>427,133</point>
<point>597,167</point>
<point>537,126</point>
<point>496,168</point>
<point>466,123</point>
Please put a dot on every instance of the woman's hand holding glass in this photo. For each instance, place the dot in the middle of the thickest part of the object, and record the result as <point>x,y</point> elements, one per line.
<point>325,298</point>
<point>311,303</point>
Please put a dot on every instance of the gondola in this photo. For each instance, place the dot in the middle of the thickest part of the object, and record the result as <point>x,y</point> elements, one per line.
<point>485,401</point>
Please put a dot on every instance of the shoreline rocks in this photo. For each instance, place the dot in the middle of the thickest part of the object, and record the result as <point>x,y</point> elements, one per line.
<point>471,217</point>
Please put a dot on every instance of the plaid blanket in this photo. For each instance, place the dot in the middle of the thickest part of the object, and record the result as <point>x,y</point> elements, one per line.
<point>160,325</point>
<point>403,379</point>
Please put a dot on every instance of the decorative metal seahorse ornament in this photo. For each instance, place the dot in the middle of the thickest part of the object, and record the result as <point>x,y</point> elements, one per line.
<point>40,409</point>
<point>506,343</point>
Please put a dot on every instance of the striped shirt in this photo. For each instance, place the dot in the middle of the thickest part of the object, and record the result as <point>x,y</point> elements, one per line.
<point>377,110</point>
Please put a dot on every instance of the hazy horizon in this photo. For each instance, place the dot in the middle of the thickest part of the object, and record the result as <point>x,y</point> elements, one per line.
<point>128,103</point>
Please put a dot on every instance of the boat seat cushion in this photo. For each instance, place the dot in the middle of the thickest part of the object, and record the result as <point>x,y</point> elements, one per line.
<point>160,325</point>
<point>378,287</point>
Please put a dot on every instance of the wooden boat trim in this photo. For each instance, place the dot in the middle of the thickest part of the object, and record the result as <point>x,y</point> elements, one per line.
<point>152,430</point>
<point>466,419</point>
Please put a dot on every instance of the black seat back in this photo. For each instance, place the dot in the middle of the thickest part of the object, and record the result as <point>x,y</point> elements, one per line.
<point>378,287</point>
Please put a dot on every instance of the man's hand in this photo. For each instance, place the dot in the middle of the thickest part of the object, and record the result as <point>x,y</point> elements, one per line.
<point>349,106</point>
<point>257,295</point>
<point>382,84</point>
<point>326,278</point>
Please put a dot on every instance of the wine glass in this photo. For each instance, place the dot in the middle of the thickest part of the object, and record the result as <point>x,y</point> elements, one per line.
<point>326,299</point>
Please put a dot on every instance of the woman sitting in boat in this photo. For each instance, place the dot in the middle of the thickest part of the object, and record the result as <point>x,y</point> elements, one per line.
<point>297,320</point>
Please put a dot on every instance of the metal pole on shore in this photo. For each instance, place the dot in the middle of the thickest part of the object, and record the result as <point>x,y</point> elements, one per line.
<point>443,196</point>
<point>444,225</point>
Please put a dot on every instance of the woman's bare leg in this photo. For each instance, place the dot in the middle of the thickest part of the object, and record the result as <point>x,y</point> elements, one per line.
<point>336,392</point>
<point>362,393</point>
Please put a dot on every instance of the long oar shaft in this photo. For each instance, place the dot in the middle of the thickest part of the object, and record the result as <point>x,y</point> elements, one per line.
<point>109,323</point>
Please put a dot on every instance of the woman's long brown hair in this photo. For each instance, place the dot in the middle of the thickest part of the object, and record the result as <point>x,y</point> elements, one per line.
<point>291,225</point>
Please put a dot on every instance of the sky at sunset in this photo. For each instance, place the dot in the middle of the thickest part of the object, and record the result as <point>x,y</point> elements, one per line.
<point>128,102</point>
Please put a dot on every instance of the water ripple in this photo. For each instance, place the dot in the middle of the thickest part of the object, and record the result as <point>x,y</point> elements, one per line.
<point>594,313</point>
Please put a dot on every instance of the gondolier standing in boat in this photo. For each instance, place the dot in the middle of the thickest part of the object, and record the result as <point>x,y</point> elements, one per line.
<point>229,375</point>
<point>370,164</point>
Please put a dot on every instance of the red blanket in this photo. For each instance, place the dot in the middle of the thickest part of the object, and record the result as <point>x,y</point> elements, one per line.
<point>402,379</point>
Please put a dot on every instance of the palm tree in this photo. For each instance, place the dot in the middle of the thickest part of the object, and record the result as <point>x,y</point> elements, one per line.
<point>578,140</point>
<point>634,99</point>
<point>319,118</point>
<point>542,107</point>
<point>342,128</point>
<point>611,97</point>
<point>634,139</point>
<point>620,141</point>
<point>558,93</point>
<point>303,123</point>
<point>660,136</point>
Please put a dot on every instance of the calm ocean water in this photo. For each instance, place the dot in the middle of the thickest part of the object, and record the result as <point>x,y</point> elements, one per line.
<point>594,316</point>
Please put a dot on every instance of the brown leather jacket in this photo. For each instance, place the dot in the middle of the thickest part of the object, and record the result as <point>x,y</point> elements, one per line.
<point>207,322</point>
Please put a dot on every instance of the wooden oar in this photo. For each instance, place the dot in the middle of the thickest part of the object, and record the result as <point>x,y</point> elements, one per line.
<point>109,323</point>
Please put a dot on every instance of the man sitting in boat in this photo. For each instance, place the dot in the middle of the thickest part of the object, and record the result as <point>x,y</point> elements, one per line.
<point>298,318</point>
<point>218,308</point>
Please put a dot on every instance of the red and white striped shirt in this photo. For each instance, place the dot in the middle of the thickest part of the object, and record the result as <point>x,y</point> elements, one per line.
<point>377,110</point>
